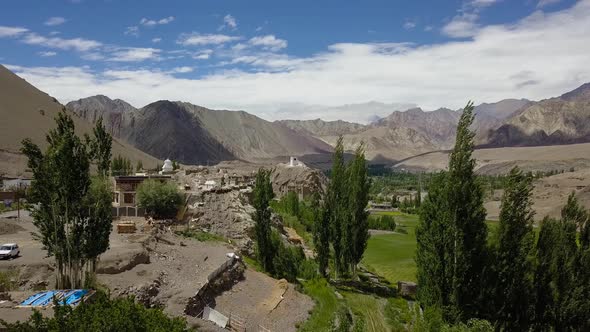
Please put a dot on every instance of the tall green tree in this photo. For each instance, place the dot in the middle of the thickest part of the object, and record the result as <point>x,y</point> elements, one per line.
<point>100,147</point>
<point>358,197</point>
<point>462,237</point>
<point>263,194</point>
<point>65,212</point>
<point>336,201</point>
<point>321,233</point>
<point>434,237</point>
<point>513,256</point>
<point>561,279</point>
<point>468,221</point>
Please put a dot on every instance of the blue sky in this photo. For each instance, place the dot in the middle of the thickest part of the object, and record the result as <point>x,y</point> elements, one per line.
<point>299,59</point>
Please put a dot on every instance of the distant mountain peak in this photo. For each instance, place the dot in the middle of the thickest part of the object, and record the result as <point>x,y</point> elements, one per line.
<point>583,91</point>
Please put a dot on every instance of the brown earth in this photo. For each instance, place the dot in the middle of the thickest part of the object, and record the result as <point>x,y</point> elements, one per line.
<point>501,160</point>
<point>550,194</point>
<point>27,112</point>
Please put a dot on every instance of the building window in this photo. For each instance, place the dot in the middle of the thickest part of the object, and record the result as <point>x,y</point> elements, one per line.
<point>128,198</point>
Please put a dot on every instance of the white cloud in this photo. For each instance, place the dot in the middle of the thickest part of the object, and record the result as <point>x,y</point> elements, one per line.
<point>56,20</point>
<point>482,3</point>
<point>409,25</point>
<point>132,31</point>
<point>269,42</point>
<point>461,26</point>
<point>78,44</point>
<point>196,39</point>
<point>47,53</point>
<point>92,56</point>
<point>229,22</point>
<point>182,70</point>
<point>53,33</point>
<point>11,31</point>
<point>428,28</point>
<point>151,23</point>
<point>543,3</point>
<point>500,61</point>
<point>135,54</point>
<point>465,24</point>
<point>202,55</point>
<point>156,40</point>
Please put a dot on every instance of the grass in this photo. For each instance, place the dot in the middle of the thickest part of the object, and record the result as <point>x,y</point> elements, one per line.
<point>326,305</point>
<point>201,236</point>
<point>369,309</point>
<point>392,255</point>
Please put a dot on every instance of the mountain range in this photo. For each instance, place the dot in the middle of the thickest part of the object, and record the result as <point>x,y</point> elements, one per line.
<point>169,129</point>
<point>193,134</point>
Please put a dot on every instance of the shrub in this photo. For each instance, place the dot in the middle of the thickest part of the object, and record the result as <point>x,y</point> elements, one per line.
<point>384,222</point>
<point>160,200</point>
<point>103,314</point>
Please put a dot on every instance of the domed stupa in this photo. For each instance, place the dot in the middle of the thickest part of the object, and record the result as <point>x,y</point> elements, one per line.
<point>167,168</point>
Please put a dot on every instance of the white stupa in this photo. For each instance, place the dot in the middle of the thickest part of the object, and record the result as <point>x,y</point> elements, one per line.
<point>167,168</point>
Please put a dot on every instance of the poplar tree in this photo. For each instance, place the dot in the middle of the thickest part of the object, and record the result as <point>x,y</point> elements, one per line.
<point>514,252</point>
<point>100,147</point>
<point>357,222</point>
<point>454,218</point>
<point>468,221</point>
<point>72,216</point>
<point>321,233</point>
<point>336,200</point>
<point>434,246</point>
<point>263,194</point>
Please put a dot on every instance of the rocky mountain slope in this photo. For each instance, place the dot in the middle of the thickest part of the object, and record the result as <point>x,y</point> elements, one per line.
<point>319,127</point>
<point>560,120</point>
<point>197,135</point>
<point>27,112</point>
<point>116,113</point>
<point>403,134</point>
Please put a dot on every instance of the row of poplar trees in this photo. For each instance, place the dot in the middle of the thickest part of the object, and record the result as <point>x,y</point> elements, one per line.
<point>514,280</point>
<point>340,217</point>
<point>71,210</point>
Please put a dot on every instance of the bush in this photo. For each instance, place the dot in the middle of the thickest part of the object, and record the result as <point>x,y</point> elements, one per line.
<point>160,200</point>
<point>384,222</point>
<point>103,314</point>
<point>286,260</point>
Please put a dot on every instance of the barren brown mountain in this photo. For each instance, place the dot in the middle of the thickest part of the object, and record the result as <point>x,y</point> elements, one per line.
<point>560,120</point>
<point>197,135</point>
<point>27,112</point>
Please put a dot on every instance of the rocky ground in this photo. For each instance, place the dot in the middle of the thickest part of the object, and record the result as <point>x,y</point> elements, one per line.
<point>550,194</point>
<point>161,269</point>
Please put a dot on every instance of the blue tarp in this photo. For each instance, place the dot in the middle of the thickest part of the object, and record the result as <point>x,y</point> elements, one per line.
<point>67,297</point>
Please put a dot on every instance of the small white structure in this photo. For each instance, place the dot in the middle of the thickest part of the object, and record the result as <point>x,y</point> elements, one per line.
<point>294,162</point>
<point>210,184</point>
<point>167,168</point>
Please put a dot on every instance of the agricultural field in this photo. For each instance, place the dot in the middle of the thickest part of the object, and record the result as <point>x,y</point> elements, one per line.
<point>391,255</point>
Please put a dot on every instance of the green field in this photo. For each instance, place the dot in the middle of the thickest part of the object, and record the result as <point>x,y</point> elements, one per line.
<point>392,255</point>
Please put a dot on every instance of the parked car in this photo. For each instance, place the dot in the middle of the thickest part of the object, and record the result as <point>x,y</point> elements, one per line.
<point>9,250</point>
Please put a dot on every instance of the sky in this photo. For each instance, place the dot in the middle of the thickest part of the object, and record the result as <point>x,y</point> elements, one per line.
<point>300,59</point>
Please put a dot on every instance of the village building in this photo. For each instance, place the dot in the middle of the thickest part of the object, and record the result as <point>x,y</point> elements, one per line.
<point>125,191</point>
<point>210,184</point>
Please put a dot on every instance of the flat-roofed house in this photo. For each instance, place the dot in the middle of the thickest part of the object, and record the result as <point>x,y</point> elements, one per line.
<point>125,191</point>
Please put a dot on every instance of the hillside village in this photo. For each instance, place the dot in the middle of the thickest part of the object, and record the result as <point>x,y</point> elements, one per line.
<point>268,167</point>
